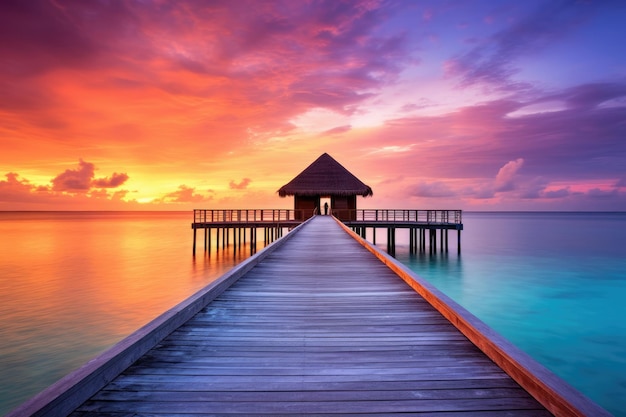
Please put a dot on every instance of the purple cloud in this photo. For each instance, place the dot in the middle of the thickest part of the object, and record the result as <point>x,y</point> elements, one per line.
<point>115,181</point>
<point>75,180</point>
<point>492,60</point>
<point>82,179</point>
<point>431,190</point>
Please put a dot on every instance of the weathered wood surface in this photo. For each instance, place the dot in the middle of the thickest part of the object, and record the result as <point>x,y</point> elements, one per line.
<point>320,327</point>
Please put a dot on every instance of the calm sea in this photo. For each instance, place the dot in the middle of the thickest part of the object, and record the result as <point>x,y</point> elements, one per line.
<point>554,284</point>
<point>73,284</point>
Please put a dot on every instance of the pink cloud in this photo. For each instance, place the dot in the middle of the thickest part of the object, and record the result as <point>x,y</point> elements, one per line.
<point>505,180</point>
<point>337,130</point>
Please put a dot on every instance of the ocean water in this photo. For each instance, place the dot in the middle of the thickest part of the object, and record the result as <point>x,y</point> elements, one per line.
<point>74,284</point>
<point>554,284</point>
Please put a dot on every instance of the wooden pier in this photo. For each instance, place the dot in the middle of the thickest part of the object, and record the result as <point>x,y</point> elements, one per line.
<point>318,323</point>
<point>243,225</point>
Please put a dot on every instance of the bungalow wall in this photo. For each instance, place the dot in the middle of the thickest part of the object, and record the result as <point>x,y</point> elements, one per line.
<point>305,206</point>
<point>344,207</point>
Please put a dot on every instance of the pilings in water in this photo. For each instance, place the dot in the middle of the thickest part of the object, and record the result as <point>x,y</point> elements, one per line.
<point>421,239</point>
<point>237,236</point>
<point>273,222</point>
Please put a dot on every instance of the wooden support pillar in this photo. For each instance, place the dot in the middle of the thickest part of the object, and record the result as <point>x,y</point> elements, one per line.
<point>374,232</point>
<point>194,241</point>
<point>432,233</point>
<point>391,241</point>
<point>441,240</point>
<point>458,243</point>
<point>421,238</point>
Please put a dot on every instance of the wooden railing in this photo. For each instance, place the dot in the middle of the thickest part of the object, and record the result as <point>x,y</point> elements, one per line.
<point>395,215</point>
<point>249,215</point>
<point>361,215</point>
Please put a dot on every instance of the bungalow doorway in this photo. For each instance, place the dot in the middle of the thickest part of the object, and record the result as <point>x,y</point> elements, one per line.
<point>325,206</point>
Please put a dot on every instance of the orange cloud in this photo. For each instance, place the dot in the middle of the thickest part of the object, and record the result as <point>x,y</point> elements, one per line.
<point>242,185</point>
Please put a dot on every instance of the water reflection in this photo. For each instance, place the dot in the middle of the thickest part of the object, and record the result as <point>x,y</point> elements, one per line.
<point>74,284</point>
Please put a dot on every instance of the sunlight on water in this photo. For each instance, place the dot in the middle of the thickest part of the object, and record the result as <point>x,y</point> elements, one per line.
<point>74,284</point>
<point>553,284</point>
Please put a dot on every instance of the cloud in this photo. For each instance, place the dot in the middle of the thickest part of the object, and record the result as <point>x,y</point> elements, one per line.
<point>184,194</point>
<point>505,179</point>
<point>14,189</point>
<point>336,130</point>
<point>75,180</point>
<point>242,185</point>
<point>115,181</point>
<point>577,142</point>
<point>20,194</point>
<point>431,190</point>
<point>493,60</point>
<point>81,179</point>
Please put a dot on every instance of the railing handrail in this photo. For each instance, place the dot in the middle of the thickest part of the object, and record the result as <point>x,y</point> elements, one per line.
<point>370,215</point>
<point>247,215</point>
<point>402,215</point>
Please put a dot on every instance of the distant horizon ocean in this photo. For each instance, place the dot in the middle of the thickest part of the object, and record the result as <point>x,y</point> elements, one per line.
<point>75,283</point>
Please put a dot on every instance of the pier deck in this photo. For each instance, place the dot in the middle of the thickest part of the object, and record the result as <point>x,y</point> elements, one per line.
<point>320,327</point>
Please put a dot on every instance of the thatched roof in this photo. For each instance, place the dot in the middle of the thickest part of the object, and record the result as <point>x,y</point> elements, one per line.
<point>325,177</point>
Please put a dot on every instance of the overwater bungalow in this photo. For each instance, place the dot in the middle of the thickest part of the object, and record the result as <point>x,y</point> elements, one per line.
<point>326,178</point>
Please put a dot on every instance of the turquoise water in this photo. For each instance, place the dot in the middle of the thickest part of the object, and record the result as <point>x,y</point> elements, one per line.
<point>554,284</point>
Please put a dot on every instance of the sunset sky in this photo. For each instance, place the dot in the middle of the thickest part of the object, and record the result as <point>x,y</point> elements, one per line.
<point>174,105</point>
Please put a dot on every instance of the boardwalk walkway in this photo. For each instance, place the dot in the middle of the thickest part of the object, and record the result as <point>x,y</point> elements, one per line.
<point>320,327</point>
